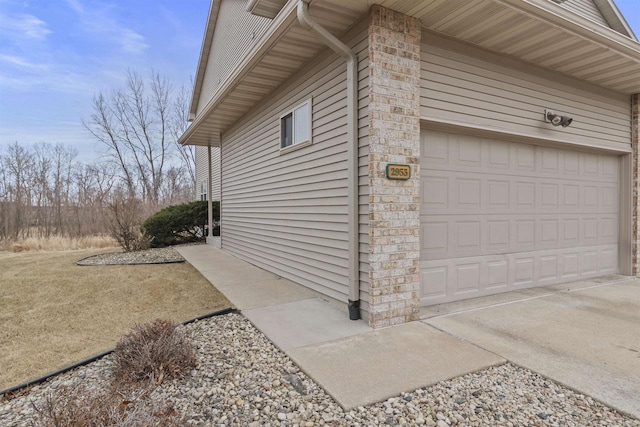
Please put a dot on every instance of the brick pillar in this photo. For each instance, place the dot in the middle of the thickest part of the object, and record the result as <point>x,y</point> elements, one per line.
<point>635,141</point>
<point>394,137</point>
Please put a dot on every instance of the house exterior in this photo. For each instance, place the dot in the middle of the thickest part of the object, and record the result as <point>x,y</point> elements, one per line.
<point>410,153</point>
<point>207,187</point>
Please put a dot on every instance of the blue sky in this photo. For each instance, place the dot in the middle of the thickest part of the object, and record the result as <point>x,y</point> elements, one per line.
<point>631,11</point>
<point>56,54</point>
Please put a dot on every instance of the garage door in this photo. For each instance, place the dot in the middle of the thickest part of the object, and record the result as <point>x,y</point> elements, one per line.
<point>498,216</point>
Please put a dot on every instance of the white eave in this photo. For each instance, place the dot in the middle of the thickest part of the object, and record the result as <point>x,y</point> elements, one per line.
<point>539,32</point>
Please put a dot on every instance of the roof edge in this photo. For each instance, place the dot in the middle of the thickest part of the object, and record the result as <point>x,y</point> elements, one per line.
<point>205,50</point>
<point>621,23</point>
<point>279,25</point>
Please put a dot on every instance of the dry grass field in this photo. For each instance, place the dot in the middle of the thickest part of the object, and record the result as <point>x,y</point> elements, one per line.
<point>59,243</point>
<point>54,313</point>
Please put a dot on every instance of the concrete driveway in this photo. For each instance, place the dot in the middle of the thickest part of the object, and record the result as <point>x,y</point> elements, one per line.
<point>584,335</point>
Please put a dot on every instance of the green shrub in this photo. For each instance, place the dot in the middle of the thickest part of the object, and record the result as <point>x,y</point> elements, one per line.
<point>178,224</point>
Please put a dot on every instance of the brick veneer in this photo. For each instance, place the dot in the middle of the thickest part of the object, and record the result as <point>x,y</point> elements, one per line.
<point>394,137</point>
<point>635,141</point>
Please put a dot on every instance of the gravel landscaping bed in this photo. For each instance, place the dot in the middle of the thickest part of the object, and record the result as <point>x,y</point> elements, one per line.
<point>242,379</point>
<point>149,256</point>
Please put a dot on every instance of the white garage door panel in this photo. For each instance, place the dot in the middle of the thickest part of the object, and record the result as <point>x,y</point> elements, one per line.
<point>498,216</point>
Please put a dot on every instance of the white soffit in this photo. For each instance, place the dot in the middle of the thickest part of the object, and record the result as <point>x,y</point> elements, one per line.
<point>535,31</point>
<point>540,32</point>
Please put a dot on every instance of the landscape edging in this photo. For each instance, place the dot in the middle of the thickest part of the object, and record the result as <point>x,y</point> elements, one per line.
<point>91,359</point>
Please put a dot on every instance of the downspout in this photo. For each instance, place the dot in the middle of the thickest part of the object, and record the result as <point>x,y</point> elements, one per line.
<point>352,151</point>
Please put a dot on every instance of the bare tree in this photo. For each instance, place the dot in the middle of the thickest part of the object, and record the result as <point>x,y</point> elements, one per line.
<point>42,156</point>
<point>5,201</point>
<point>18,174</point>
<point>94,185</point>
<point>45,191</point>
<point>62,181</point>
<point>178,125</point>
<point>139,126</point>
<point>177,187</point>
<point>104,127</point>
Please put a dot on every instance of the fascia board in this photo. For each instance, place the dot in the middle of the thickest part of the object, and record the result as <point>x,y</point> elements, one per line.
<point>278,27</point>
<point>611,7</point>
<point>205,50</point>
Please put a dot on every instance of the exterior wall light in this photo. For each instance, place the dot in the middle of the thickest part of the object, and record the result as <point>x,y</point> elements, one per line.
<point>556,119</point>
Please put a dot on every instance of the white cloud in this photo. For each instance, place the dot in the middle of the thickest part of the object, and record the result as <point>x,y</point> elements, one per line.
<point>130,41</point>
<point>75,5</point>
<point>23,26</point>
<point>69,132</point>
<point>19,74</point>
<point>21,62</point>
<point>99,21</point>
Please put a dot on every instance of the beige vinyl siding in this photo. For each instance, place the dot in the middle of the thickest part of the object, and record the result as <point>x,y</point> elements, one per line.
<point>586,8</point>
<point>464,85</point>
<point>216,191</point>
<point>363,173</point>
<point>287,212</point>
<point>236,30</point>
<point>202,170</point>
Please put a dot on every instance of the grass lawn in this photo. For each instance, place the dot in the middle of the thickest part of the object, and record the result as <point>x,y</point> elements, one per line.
<point>54,313</point>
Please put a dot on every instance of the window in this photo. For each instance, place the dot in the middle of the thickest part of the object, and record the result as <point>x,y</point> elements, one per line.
<point>204,186</point>
<point>295,126</point>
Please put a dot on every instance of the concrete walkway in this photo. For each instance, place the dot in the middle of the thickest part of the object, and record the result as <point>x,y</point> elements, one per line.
<point>585,335</point>
<point>353,363</point>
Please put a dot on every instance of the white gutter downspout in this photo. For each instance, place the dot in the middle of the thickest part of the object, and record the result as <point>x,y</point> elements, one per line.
<point>352,150</point>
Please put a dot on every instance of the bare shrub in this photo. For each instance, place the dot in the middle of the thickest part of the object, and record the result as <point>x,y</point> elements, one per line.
<point>142,359</point>
<point>82,407</point>
<point>124,223</point>
<point>153,352</point>
<point>142,240</point>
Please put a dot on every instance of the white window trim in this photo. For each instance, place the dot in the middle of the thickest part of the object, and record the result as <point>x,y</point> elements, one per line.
<point>301,144</point>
